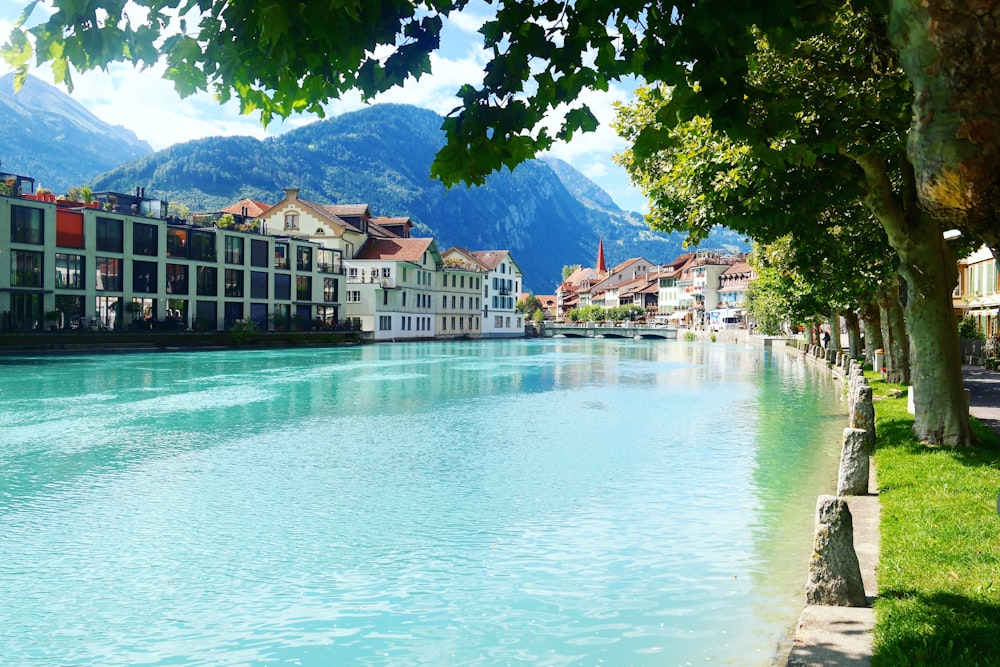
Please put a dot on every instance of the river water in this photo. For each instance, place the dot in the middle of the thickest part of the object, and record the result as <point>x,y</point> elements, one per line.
<point>543,502</point>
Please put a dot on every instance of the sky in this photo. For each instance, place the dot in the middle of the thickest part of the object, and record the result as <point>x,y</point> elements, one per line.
<point>142,101</point>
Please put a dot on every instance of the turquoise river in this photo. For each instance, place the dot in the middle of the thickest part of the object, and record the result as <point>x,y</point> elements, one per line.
<point>525,502</point>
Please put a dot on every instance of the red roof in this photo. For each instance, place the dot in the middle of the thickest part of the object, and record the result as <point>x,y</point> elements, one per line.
<point>253,208</point>
<point>404,250</point>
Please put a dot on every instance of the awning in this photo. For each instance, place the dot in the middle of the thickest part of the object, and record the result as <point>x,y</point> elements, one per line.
<point>678,315</point>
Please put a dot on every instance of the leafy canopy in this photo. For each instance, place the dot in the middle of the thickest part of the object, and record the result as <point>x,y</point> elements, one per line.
<point>278,58</point>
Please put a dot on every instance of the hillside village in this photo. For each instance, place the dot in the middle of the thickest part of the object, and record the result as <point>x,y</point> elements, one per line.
<point>120,261</point>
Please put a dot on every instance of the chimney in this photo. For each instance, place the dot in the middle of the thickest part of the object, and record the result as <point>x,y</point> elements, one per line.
<point>291,194</point>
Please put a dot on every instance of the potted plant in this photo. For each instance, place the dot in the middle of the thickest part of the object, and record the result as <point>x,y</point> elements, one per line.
<point>52,317</point>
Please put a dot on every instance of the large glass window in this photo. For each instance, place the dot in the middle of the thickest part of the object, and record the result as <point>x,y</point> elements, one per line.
<point>233,312</point>
<point>234,249</point>
<point>27,225</point>
<point>258,252</point>
<point>207,281</point>
<point>258,285</point>
<point>144,277</point>
<point>177,279</point>
<point>234,282</point>
<point>25,268</point>
<point>203,246</point>
<point>144,239</point>
<point>69,271</point>
<point>304,258</point>
<point>109,235</point>
<point>326,260</point>
<point>330,290</point>
<point>303,288</point>
<point>281,255</point>
<point>291,221</point>
<point>283,286</point>
<point>109,274</point>
<point>176,242</point>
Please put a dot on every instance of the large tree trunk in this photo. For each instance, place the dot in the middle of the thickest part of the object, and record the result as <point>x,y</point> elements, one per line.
<point>930,270</point>
<point>949,51</point>
<point>853,333</point>
<point>873,330</point>
<point>835,332</point>
<point>895,345</point>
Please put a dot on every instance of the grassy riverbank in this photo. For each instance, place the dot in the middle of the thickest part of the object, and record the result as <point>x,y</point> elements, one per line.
<point>939,568</point>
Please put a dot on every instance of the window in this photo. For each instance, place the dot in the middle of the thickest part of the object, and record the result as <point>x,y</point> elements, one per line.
<point>498,322</point>
<point>234,284</point>
<point>176,242</point>
<point>258,252</point>
<point>283,286</point>
<point>353,296</point>
<point>453,280</point>
<point>177,279</point>
<point>452,322</point>
<point>281,255</point>
<point>461,323</point>
<point>69,271</point>
<point>234,249</point>
<point>207,281</point>
<point>352,274</point>
<point>69,229</point>
<point>203,246</point>
<point>144,277</point>
<point>233,312</point>
<point>508,322</point>
<point>444,300</point>
<point>303,288</point>
<point>461,282</point>
<point>461,303</point>
<point>258,285</point>
<point>503,268</point>
<point>325,260</point>
<point>25,268</point>
<point>385,297</point>
<point>303,259</point>
<point>144,239</point>
<point>444,324</point>
<point>27,225</point>
<point>109,235</point>
<point>291,221</point>
<point>384,322</point>
<point>386,272</point>
<point>330,290</point>
<point>109,274</point>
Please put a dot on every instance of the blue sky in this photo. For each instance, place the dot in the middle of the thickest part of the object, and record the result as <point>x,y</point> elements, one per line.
<point>146,104</point>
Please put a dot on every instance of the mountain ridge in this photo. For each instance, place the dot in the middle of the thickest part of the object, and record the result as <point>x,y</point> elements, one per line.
<point>545,212</point>
<point>42,121</point>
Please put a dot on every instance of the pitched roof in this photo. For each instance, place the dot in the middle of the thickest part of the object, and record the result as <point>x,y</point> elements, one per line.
<point>403,250</point>
<point>490,258</point>
<point>253,208</point>
<point>350,210</point>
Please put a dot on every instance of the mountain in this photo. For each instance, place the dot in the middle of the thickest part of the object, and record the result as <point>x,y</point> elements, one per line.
<point>545,212</point>
<point>49,136</point>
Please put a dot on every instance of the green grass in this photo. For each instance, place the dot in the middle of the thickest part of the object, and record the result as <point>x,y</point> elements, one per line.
<point>939,567</point>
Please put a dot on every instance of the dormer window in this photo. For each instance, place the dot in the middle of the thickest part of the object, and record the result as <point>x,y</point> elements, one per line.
<point>291,221</point>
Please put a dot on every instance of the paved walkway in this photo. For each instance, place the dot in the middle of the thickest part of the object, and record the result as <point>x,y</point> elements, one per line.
<point>842,636</point>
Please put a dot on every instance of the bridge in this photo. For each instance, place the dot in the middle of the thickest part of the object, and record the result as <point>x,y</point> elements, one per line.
<point>593,330</point>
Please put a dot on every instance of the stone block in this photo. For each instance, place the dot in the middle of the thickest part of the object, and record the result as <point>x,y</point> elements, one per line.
<point>852,478</point>
<point>834,573</point>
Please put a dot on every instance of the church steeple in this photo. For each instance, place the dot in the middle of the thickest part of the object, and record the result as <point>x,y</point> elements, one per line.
<point>600,268</point>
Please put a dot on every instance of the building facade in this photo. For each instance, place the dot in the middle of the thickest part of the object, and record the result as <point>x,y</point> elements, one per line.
<point>90,265</point>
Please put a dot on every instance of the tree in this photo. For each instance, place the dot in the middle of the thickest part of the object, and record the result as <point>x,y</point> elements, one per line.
<point>529,305</point>
<point>829,133</point>
<point>278,59</point>
<point>569,270</point>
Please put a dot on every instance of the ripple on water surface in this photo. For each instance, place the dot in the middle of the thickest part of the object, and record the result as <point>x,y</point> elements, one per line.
<point>523,502</point>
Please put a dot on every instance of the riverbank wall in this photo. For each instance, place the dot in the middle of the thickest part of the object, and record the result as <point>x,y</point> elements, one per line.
<point>840,636</point>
